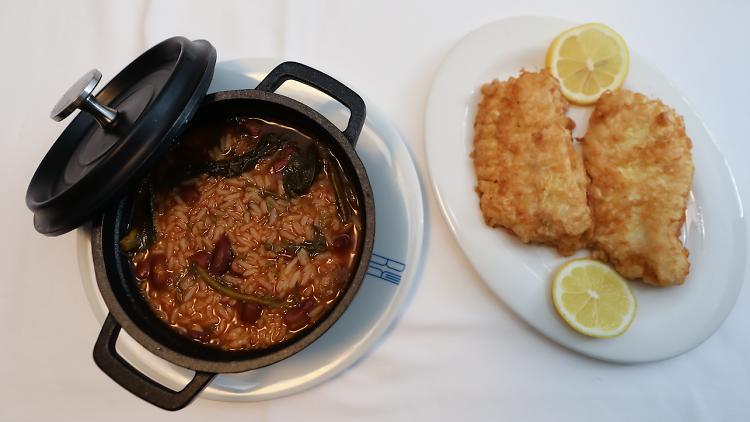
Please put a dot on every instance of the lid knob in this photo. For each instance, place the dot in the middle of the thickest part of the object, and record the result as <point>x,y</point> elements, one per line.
<point>79,97</point>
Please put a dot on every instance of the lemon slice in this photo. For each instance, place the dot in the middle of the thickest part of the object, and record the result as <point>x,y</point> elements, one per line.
<point>588,60</point>
<point>593,298</point>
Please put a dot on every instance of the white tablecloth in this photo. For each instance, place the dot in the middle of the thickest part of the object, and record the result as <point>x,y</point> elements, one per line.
<point>455,352</point>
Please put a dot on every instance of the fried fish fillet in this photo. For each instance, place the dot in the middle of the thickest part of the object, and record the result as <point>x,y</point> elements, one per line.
<point>638,156</point>
<point>530,179</point>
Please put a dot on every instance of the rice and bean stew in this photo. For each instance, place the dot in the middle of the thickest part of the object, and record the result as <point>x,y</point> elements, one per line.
<point>245,235</point>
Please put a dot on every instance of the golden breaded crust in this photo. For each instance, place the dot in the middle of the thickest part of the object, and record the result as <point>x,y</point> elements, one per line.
<point>530,179</point>
<point>638,156</point>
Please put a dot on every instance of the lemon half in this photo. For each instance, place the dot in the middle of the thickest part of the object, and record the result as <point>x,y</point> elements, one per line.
<point>588,60</point>
<point>593,298</point>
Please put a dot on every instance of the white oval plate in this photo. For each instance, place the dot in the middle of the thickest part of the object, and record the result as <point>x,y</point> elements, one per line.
<point>398,245</point>
<point>670,321</point>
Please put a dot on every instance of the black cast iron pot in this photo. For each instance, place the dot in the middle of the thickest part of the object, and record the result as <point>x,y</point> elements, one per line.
<point>115,155</point>
<point>120,290</point>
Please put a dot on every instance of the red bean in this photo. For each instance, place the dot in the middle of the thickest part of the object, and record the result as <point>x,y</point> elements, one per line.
<point>222,256</point>
<point>340,243</point>
<point>201,258</point>
<point>297,316</point>
<point>143,269</point>
<point>254,127</point>
<point>190,194</point>
<point>159,272</point>
<point>282,162</point>
<point>250,312</point>
<point>198,335</point>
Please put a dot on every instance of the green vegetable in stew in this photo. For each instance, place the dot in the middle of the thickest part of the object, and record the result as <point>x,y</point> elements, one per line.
<point>264,193</point>
<point>142,232</point>
<point>342,204</point>
<point>267,146</point>
<point>228,291</point>
<point>301,171</point>
<point>314,247</point>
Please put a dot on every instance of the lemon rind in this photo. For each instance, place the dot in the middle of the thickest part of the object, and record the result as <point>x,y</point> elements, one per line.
<point>570,319</point>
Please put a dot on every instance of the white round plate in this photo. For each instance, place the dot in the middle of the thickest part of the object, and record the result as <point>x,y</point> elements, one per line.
<point>670,321</point>
<point>398,244</point>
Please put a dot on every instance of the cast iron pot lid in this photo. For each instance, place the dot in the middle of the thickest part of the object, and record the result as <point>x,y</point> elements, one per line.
<point>126,129</point>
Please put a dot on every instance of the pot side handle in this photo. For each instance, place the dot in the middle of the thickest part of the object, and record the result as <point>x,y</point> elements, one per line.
<point>322,82</point>
<point>107,358</point>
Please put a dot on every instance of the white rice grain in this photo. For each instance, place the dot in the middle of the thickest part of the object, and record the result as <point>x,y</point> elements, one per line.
<point>316,311</point>
<point>266,285</point>
<point>309,269</point>
<point>292,265</point>
<point>304,257</point>
<point>189,295</point>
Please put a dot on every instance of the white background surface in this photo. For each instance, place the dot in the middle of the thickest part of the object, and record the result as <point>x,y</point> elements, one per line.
<point>455,352</point>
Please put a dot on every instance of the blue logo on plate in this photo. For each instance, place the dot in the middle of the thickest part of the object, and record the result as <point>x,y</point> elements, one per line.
<point>386,269</point>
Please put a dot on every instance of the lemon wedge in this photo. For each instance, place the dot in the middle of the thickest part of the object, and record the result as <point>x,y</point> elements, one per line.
<point>588,60</point>
<point>593,298</point>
